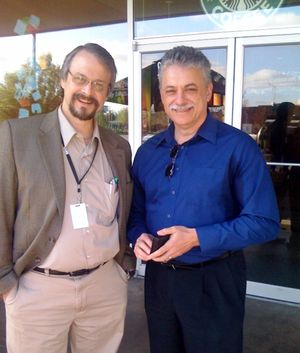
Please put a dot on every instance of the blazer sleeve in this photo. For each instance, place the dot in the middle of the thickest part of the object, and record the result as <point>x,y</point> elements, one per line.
<point>8,205</point>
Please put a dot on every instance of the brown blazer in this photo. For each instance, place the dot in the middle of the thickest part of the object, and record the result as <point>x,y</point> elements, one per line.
<point>32,192</point>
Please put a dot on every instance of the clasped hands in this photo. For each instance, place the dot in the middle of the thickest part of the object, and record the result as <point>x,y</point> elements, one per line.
<point>182,239</point>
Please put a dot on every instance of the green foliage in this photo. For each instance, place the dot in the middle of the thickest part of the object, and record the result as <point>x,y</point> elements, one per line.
<point>48,86</point>
<point>19,87</point>
<point>101,119</point>
<point>117,122</point>
<point>9,106</point>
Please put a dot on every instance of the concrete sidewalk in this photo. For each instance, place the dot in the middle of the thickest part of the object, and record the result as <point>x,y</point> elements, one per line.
<point>269,327</point>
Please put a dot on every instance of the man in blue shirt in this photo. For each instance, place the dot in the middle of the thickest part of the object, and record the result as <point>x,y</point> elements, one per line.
<point>206,186</point>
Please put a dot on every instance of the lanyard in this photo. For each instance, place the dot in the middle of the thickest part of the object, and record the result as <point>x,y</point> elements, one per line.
<point>78,181</point>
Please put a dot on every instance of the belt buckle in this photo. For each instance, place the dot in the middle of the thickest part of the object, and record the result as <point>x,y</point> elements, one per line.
<point>47,271</point>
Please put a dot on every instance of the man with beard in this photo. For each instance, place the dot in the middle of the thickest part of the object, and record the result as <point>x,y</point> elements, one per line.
<point>204,185</point>
<point>64,200</point>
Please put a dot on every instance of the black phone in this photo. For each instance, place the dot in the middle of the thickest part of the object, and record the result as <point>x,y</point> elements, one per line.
<point>158,242</point>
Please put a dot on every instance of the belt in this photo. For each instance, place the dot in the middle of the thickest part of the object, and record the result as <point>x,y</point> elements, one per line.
<point>182,266</point>
<point>84,271</point>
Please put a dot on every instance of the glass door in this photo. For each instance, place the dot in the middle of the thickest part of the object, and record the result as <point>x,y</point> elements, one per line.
<point>146,61</point>
<point>267,106</point>
<point>152,116</point>
<point>257,89</point>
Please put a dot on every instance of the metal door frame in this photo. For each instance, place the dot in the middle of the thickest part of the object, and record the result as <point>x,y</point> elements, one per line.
<point>257,288</point>
<point>233,93</point>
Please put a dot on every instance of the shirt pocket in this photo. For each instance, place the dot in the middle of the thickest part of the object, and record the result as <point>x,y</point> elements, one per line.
<point>103,205</point>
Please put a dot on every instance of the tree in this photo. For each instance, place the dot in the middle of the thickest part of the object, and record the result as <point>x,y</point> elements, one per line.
<point>9,106</point>
<point>33,90</point>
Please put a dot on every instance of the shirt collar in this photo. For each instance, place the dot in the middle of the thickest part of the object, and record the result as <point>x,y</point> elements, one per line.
<point>68,131</point>
<point>208,131</point>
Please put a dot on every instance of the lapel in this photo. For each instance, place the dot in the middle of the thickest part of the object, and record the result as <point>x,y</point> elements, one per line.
<point>116,159</point>
<point>51,149</point>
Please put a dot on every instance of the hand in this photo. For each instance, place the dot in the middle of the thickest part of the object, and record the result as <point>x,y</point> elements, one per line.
<point>182,239</point>
<point>5,294</point>
<point>142,246</point>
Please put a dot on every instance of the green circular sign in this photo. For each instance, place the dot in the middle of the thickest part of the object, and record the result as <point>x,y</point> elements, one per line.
<point>236,14</point>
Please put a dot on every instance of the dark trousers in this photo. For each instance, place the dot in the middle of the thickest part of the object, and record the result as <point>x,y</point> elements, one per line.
<point>198,310</point>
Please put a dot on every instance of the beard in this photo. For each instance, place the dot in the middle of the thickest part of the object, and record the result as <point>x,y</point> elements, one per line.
<point>82,113</point>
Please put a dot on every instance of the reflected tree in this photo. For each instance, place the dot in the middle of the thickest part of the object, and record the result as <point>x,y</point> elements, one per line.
<point>17,91</point>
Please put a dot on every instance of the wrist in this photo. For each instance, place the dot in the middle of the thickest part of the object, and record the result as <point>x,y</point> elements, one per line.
<point>130,273</point>
<point>195,238</point>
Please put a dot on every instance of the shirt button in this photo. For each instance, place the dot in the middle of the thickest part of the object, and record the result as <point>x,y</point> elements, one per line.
<point>168,215</point>
<point>37,260</point>
<point>173,192</point>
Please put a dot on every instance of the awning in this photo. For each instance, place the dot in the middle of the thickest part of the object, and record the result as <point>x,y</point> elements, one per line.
<point>61,14</point>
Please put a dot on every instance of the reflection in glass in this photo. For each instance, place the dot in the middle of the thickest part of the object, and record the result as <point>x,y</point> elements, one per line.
<point>155,17</point>
<point>271,115</point>
<point>154,118</point>
<point>28,89</point>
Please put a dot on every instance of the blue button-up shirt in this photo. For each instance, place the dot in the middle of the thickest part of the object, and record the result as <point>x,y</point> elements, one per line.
<point>221,186</point>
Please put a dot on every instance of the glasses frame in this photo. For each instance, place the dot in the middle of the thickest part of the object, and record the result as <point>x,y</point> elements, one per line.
<point>97,85</point>
<point>169,171</point>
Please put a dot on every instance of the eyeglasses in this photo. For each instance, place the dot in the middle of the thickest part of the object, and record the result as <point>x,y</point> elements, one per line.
<point>173,155</point>
<point>82,81</point>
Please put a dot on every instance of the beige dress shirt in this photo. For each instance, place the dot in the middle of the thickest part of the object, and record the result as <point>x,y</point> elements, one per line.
<point>98,242</point>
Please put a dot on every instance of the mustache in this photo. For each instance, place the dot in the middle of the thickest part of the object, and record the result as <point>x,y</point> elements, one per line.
<point>181,108</point>
<point>84,97</point>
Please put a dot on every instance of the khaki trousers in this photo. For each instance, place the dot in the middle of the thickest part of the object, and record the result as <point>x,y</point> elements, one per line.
<point>43,311</point>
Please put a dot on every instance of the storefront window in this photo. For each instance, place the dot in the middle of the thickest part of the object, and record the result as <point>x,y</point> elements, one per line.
<point>154,17</point>
<point>271,115</point>
<point>154,118</point>
<point>30,60</point>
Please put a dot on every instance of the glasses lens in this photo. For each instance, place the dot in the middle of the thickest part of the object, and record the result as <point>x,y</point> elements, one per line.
<point>80,80</point>
<point>169,170</point>
<point>98,86</point>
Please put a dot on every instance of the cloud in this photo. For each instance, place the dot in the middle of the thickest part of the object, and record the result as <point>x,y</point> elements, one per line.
<point>268,86</point>
<point>245,19</point>
<point>269,78</point>
<point>277,19</point>
<point>289,18</point>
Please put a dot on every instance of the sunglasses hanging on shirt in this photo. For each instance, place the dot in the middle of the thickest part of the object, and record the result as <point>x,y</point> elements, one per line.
<point>171,167</point>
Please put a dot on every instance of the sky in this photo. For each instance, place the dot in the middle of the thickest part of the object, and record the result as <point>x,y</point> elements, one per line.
<point>14,51</point>
<point>204,23</point>
<point>272,74</point>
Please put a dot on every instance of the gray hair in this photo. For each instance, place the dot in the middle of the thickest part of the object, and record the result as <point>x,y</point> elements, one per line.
<point>99,52</point>
<point>188,57</point>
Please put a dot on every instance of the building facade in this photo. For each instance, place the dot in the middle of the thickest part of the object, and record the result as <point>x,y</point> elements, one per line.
<point>254,48</point>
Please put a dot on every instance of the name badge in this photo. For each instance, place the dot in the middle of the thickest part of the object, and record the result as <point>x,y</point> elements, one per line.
<point>79,216</point>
